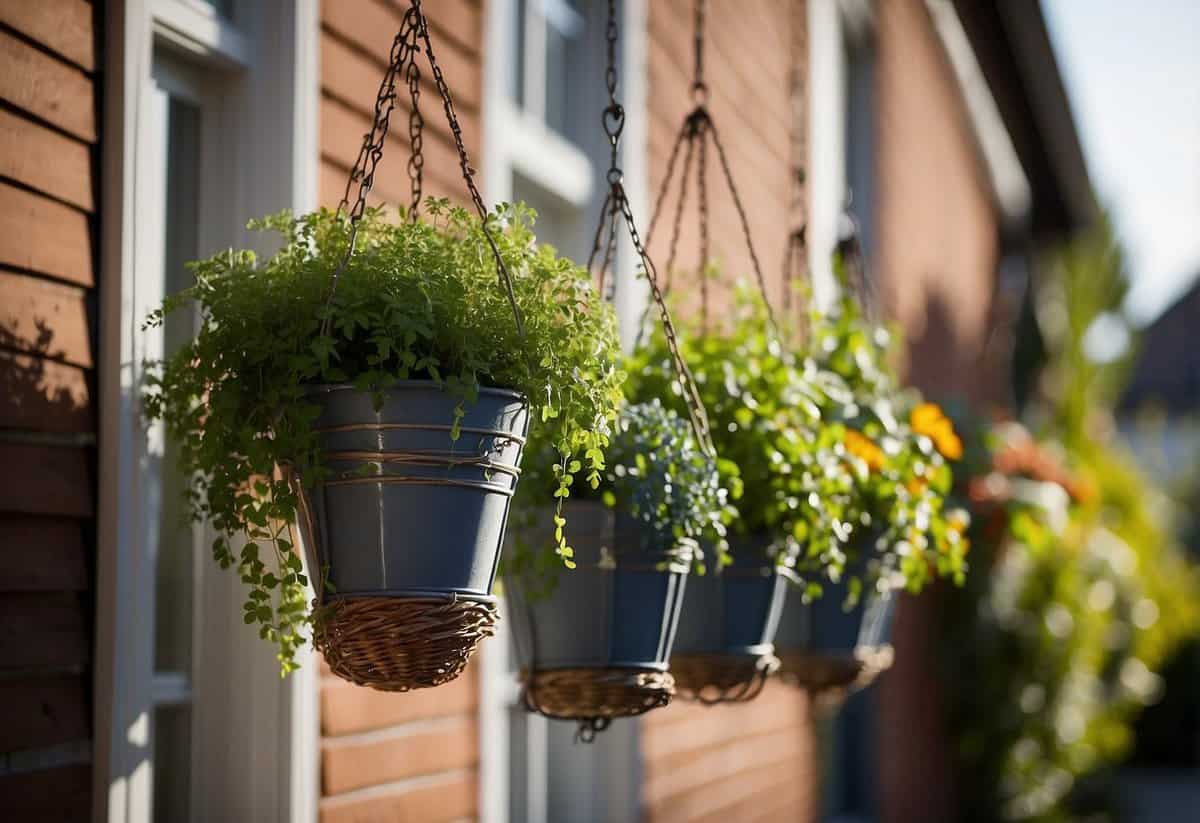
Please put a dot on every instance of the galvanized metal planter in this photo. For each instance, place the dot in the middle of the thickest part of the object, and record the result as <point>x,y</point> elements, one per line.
<point>831,651</point>
<point>594,641</point>
<point>407,528</point>
<point>724,651</point>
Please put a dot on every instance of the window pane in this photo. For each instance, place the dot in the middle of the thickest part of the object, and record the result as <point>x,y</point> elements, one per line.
<point>566,62</point>
<point>223,7</point>
<point>174,593</point>
<point>172,763</point>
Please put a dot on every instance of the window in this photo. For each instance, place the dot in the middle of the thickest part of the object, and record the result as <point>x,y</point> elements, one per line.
<point>177,115</point>
<point>544,144</point>
<point>198,139</point>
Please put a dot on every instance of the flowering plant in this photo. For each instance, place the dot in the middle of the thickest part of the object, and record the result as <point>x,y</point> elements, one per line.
<point>899,449</point>
<point>783,464</point>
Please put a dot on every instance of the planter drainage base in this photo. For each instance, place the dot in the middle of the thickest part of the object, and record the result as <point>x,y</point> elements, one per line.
<point>722,678</point>
<point>396,644</point>
<point>831,677</point>
<point>595,696</point>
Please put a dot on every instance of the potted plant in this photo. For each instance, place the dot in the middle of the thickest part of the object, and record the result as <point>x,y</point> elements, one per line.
<point>790,484</point>
<point>901,534</point>
<point>594,641</point>
<point>387,419</point>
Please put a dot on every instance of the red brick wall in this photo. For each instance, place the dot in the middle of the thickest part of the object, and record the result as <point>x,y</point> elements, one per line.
<point>755,761</point>
<point>938,253</point>
<point>397,756</point>
<point>48,152</point>
<point>938,228</point>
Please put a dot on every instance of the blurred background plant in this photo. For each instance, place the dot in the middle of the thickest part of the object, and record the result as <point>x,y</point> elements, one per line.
<point>1081,592</point>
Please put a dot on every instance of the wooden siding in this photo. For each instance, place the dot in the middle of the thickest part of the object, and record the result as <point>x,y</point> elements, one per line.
<point>749,762</point>
<point>749,57</point>
<point>48,156</point>
<point>388,756</point>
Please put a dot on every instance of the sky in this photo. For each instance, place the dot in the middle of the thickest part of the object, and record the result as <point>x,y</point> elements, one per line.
<point>1132,71</point>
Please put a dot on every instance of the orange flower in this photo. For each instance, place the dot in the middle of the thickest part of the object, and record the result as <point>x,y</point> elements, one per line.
<point>929,420</point>
<point>863,448</point>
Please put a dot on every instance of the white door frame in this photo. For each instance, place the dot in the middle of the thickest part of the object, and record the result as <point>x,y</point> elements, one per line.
<point>257,756</point>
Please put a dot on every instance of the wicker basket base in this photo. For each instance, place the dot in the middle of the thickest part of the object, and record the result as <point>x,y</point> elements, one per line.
<point>832,677</point>
<point>722,678</point>
<point>595,696</point>
<point>396,644</point>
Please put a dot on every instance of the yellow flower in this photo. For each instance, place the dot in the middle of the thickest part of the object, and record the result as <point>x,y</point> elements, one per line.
<point>863,448</point>
<point>929,420</point>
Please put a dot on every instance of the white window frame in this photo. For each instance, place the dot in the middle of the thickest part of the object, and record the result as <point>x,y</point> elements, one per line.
<point>255,745</point>
<point>517,141</point>
<point>831,23</point>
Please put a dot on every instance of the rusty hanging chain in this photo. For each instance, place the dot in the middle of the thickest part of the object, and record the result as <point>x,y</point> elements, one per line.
<point>616,206</point>
<point>699,89</point>
<point>697,129</point>
<point>414,31</point>
<point>416,132</point>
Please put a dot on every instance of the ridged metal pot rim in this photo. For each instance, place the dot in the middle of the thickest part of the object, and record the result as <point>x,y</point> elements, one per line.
<point>314,388</point>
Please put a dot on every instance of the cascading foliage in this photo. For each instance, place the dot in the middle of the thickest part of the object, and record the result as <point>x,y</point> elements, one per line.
<point>418,300</point>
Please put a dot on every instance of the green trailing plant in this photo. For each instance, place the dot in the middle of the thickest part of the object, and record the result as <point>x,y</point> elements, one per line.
<point>657,479</point>
<point>417,300</point>
<point>784,462</point>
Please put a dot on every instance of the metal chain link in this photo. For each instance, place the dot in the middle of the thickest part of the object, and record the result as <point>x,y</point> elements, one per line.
<point>416,139</point>
<point>699,89</point>
<point>616,205</point>
<point>698,127</point>
<point>414,31</point>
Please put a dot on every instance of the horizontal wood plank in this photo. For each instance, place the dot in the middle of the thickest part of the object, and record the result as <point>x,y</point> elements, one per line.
<point>342,131</point>
<point>459,22</point>
<point>64,26</point>
<point>43,395</point>
<point>347,709</point>
<point>42,554</point>
<point>440,800</point>
<point>41,712</point>
<point>43,631</point>
<point>45,160</point>
<point>372,26</point>
<point>52,795</point>
<point>44,318</point>
<point>692,771</point>
<point>724,795</point>
<point>52,480</point>
<point>383,757</point>
<point>45,236</point>
<point>45,86</point>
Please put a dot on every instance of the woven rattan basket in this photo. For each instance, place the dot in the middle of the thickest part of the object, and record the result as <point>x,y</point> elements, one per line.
<point>594,641</point>
<point>406,527</point>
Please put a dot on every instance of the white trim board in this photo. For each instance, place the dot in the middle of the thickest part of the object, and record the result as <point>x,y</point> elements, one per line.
<point>261,760</point>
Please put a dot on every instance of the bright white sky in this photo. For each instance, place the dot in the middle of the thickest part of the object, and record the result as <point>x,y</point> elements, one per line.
<point>1132,70</point>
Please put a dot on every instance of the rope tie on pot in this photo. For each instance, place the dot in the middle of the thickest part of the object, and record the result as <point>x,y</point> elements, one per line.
<point>403,642</point>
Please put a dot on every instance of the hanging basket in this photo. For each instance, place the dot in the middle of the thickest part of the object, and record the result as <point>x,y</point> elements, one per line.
<point>724,652</point>
<point>832,652</point>
<point>407,527</point>
<point>594,641</point>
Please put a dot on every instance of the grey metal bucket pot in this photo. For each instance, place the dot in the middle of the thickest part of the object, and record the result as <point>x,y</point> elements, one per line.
<point>596,645</point>
<point>407,511</point>
<point>823,646</point>
<point>725,645</point>
<point>615,609</point>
